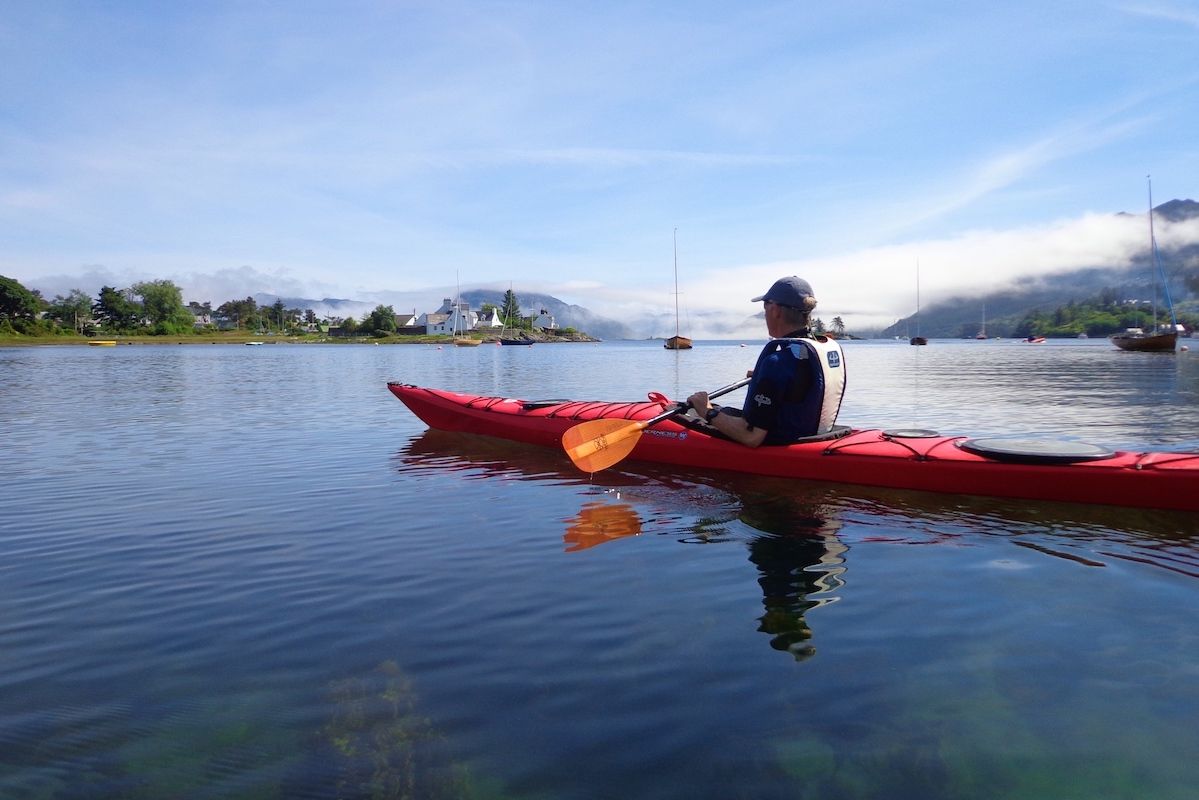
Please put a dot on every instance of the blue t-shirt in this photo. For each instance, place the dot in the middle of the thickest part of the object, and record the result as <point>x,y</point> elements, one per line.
<point>775,398</point>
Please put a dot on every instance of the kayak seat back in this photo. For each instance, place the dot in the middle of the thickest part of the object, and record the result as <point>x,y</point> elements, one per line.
<point>835,432</point>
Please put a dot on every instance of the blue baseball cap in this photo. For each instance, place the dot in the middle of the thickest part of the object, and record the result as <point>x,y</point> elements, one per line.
<point>787,292</point>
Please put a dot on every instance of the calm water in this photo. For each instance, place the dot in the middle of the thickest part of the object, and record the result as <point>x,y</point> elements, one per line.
<point>250,572</point>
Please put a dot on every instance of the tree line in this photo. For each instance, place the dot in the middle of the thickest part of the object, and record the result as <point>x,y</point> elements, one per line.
<point>1104,314</point>
<point>156,308</point>
<point>147,308</point>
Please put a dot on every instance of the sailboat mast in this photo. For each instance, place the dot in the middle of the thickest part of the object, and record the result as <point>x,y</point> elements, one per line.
<point>676,282</point>
<point>1153,249</point>
<point>917,298</point>
<point>1157,264</point>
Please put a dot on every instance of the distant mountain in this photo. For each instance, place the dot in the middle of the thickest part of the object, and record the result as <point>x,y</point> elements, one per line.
<point>1177,210</point>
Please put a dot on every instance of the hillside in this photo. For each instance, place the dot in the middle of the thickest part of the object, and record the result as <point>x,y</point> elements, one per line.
<point>961,317</point>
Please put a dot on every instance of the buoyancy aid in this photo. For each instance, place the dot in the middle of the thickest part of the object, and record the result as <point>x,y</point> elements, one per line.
<point>818,363</point>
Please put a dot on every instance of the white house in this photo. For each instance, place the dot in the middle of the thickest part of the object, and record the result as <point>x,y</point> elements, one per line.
<point>545,321</point>
<point>492,321</point>
<point>450,318</point>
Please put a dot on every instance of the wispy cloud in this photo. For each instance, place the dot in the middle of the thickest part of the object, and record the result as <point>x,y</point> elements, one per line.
<point>1170,13</point>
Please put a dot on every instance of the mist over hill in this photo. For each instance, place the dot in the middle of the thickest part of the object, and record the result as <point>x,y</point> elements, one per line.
<point>962,316</point>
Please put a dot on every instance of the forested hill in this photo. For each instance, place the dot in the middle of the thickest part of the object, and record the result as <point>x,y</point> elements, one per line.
<point>1097,301</point>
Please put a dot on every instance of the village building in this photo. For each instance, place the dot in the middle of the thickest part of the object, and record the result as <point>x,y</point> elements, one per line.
<point>458,317</point>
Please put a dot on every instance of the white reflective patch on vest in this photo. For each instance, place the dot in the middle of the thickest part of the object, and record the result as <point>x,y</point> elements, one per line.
<point>762,400</point>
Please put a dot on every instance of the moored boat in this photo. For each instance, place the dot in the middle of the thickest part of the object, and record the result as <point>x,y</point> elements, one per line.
<point>1159,338</point>
<point>1137,340</point>
<point>678,341</point>
<point>901,459</point>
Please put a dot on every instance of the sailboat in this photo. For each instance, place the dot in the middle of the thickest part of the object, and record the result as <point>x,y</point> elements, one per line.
<point>918,339</point>
<point>982,332</point>
<point>460,339</point>
<point>677,342</point>
<point>1160,339</point>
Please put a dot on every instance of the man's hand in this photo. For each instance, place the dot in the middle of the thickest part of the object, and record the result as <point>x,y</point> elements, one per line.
<point>700,402</point>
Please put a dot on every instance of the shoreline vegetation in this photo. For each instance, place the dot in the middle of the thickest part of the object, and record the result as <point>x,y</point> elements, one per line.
<point>153,312</point>
<point>244,337</point>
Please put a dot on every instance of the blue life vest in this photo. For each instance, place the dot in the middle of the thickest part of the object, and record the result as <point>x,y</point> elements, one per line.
<point>797,388</point>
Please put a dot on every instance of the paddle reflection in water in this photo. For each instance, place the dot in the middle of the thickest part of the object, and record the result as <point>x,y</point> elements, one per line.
<point>598,522</point>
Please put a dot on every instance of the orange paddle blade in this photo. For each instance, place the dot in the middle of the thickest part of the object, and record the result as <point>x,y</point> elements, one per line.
<point>600,443</point>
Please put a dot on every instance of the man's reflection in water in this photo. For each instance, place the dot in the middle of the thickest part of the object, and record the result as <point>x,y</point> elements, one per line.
<point>799,558</point>
<point>800,563</point>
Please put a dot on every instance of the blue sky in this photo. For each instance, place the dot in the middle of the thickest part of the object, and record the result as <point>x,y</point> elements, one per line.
<point>385,150</point>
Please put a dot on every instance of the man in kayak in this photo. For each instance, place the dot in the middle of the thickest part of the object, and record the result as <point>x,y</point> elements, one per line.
<point>796,387</point>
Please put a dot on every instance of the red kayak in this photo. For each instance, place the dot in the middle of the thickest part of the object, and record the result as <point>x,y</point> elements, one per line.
<point>920,460</point>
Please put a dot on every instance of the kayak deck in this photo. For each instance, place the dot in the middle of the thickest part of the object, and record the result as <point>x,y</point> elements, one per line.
<point>915,460</point>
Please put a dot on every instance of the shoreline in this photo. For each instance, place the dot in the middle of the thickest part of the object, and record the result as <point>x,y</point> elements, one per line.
<point>242,339</point>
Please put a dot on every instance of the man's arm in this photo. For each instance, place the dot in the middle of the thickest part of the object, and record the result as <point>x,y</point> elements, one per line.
<point>734,427</point>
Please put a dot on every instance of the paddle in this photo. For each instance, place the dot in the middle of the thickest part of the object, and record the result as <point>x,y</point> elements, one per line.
<point>600,443</point>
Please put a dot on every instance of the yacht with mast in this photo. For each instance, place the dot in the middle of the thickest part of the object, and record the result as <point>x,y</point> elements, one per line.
<point>1160,338</point>
<point>677,342</point>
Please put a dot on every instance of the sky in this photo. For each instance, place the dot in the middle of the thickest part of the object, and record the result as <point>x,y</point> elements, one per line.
<point>395,151</point>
